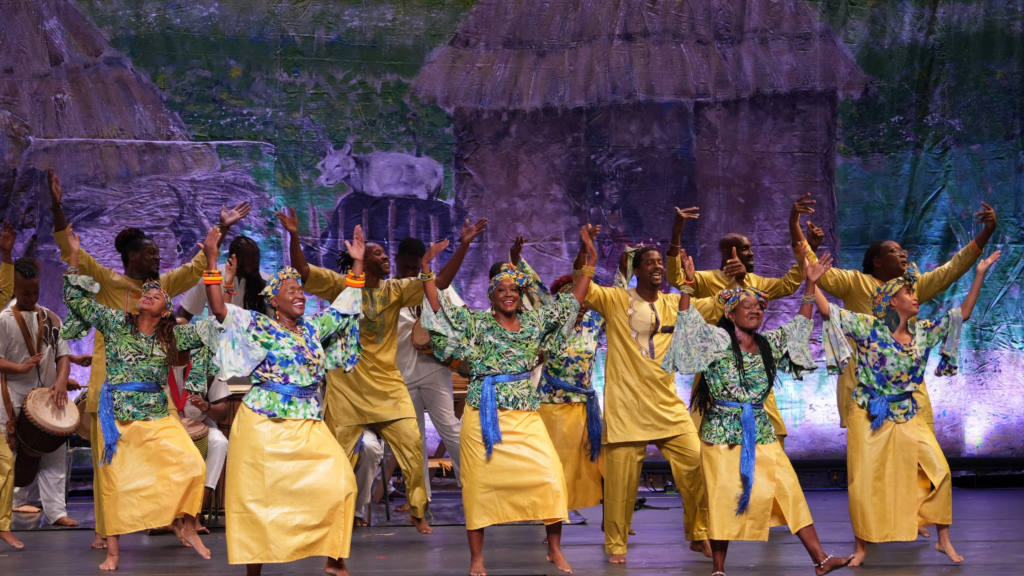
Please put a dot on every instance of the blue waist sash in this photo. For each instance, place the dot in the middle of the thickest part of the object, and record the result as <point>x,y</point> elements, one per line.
<point>489,428</point>
<point>594,424</point>
<point>108,422</point>
<point>880,405</point>
<point>289,391</point>
<point>748,448</point>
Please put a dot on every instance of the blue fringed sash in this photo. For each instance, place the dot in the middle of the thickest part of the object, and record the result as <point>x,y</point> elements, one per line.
<point>880,406</point>
<point>108,422</point>
<point>747,448</point>
<point>594,424</point>
<point>489,428</point>
<point>289,391</point>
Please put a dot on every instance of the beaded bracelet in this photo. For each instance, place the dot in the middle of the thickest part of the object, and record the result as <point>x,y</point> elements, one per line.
<point>807,299</point>
<point>689,282</point>
<point>588,271</point>
<point>353,281</point>
<point>685,289</point>
<point>212,280</point>
<point>427,276</point>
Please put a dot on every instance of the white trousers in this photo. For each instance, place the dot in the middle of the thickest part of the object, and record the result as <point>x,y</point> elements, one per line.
<point>366,471</point>
<point>216,454</point>
<point>433,393</point>
<point>48,488</point>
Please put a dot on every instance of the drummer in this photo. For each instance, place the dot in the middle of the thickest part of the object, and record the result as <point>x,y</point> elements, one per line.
<point>24,368</point>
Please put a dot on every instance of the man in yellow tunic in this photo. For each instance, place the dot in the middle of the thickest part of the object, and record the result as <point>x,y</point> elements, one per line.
<point>7,238</point>
<point>737,268</point>
<point>141,258</point>
<point>641,405</point>
<point>374,394</point>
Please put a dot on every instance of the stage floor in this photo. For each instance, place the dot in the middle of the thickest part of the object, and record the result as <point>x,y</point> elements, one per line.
<point>989,533</point>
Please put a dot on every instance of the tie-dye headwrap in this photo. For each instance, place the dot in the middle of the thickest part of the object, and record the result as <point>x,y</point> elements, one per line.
<point>155,285</point>
<point>731,297</point>
<point>885,292</point>
<point>507,272</point>
<point>277,279</point>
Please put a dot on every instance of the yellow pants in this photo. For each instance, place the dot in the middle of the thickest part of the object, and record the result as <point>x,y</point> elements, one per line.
<point>520,482</point>
<point>403,435</point>
<point>290,491</point>
<point>771,407</point>
<point>96,449</point>
<point>567,427</point>
<point>775,500</point>
<point>844,398</point>
<point>622,463</point>
<point>6,485</point>
<point>899,479</point>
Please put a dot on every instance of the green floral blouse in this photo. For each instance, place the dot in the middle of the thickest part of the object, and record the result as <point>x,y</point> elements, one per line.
<point>574,362</point>
<point>490,350</point>
<point>888,366</point>
<point>131,356</point>
<point>700,347</point>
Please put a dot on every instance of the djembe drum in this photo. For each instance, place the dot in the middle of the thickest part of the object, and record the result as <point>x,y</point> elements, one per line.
<point>83,425</point>
<point>199,433</point>
<point>42,428</point>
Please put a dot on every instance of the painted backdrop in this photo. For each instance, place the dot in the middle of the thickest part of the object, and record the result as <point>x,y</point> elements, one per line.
<point>410,116</point>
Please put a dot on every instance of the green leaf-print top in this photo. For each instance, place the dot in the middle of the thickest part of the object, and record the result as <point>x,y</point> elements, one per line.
<point>699,347</point>
<point>490,350</point>
<point>132,357</point>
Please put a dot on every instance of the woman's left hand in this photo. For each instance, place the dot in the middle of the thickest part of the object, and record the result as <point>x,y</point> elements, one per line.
<point>987,263</point>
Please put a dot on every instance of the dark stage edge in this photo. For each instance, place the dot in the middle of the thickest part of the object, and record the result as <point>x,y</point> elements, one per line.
<point>988,530</point>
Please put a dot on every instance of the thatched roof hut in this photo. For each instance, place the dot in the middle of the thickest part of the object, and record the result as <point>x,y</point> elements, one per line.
<point>702,102</point>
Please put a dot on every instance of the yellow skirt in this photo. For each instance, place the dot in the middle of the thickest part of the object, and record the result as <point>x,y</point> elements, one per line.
<point>567,426</point>
<point>523,479</point>
<point>157,475</point>
<point>290,492</point>
<point>775,500</point>
<point>899,478</point>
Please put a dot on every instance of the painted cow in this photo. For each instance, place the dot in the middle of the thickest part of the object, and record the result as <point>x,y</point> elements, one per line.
<point>382,174</point>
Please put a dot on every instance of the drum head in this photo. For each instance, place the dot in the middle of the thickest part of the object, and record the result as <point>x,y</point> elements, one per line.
<point>195,428</point>
<point>39,407</point>
<point>83,425</point>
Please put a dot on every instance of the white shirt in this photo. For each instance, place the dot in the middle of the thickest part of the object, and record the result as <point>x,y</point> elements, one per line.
<point>413,364</point>
<point>14,349</point>
<point>194,301</point>
<point>218,390</point>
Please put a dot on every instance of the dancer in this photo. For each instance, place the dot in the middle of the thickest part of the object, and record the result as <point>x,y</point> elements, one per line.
<point>737,269</point>
<point>242,283</point>
<point>740,452</point>
<point>7,238</point>
<point>374,394</point>
<point>290,491</point>
<point>899,478</point>
<point>510,469</point>
<point>150,472</point>
<point>206,403</point>
<point>641,405</point>
<point>140,256</point>
<point>33,355</point>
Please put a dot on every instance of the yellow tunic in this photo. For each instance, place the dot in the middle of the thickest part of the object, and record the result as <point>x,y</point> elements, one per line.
<point>6,283</point>
<point>857,291</point>
<point>374,391</point>
<point>567,426</point>
<point>6,486</point>
<point>708,283</point>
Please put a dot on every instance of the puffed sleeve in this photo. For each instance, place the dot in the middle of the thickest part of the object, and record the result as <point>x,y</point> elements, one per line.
<point>337,328</point>
<point>695,344</point>
<point>83,310</point>
<point>244,342</point>
<point>452,327</point>
<point>947,332</point>
<point>791,346</point>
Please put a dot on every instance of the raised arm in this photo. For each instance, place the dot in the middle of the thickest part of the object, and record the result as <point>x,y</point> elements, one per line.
<point>451,268</point>
<point>682,215</point>
<point>581,255</point>
<point>813,273</point>
<point>7,238</point>
<point>582,284</point>
<point>290,221</point>
<point>214,292</point>
<point>689,273</point>
<point>429,286</point>
<point>60,222</point>
<point>803,205</point>
<point>972,296</point>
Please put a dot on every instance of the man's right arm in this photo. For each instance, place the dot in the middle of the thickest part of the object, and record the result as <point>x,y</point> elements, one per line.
<point>323,283</point>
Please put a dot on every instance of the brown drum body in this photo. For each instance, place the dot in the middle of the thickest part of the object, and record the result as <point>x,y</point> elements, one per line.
<point>83,417</point>
<point>420,338</point>
<point>199,432</point>
<point>42,428</point>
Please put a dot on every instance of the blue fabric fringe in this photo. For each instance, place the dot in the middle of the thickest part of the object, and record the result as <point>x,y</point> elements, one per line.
<point>594,424</point>
<point>489,427</point>
<point>748,449</point>
<point>879,406</point>
<point>108,422</point>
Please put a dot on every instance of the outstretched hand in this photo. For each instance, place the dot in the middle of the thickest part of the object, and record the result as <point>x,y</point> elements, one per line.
<point>211,245</point>
<point>688,267</point>
<point>231,270</point>
<point>587,234</point>
<point>357,247</point>
<point>471,231</point>
<point>684,214</point>
<point>734,267</point>
<point>229,217</point>
<point>802,205</point>
<point>289,220</point>
<point>987,263</point>
<point>74,242</point>
<point>814,272</point>
<point>433,250</point>
<point>986,216</point>
<point>7,237</point>
<point>56,194</point>
<point>516,253</point>
<point>815,236</point>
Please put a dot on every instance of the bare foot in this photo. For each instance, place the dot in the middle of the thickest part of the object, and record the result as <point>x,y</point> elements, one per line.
<point>858,559</point>
<point>202,530</point>
<point>192,538</point>
<point>558,560</point>
<point>421,525</point>
<point>65,521</point>
<point>360,523</point>
<point>8,536</point>
<point>923,532</point>
<point>476,567</point>
<point>179,531</point>
<point>336,567</point>
<point>632,532</point>
<point>833,564</point>
<point>617,559</point>
<point>402,507</point>
<point>110,564</point>
<point>702,546</point>
<point>544,541</point>
<point>99,543</point>
<point>27,509</point>
<point>949,551</point>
